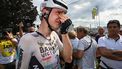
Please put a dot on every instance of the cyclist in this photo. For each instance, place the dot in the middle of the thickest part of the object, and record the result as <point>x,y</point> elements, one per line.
<point>41,49</point>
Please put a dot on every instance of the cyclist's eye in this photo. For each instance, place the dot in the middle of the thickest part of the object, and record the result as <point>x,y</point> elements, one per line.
<point>59,12</point>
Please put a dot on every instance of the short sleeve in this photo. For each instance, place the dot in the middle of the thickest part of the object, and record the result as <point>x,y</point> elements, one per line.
<point>24,52</point>
<point>81,45</point>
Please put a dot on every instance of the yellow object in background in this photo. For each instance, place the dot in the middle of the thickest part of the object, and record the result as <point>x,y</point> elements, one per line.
<point>7,48</point>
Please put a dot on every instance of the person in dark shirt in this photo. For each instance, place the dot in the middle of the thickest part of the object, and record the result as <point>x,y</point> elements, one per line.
<point>100,33</point>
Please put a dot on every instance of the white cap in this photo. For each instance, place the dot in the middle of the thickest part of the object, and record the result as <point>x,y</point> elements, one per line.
<point>55,4</point>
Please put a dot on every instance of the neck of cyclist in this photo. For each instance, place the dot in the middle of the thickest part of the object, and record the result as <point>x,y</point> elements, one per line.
<point>44,29</point>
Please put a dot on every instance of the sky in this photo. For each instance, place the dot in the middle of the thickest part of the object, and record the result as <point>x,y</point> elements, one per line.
<point>80,12</point>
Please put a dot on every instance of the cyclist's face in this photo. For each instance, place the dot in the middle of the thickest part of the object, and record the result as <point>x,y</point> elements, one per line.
<point>55,18</point>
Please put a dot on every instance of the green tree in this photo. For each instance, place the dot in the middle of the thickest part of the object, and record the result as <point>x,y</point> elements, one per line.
<point>13,12</point>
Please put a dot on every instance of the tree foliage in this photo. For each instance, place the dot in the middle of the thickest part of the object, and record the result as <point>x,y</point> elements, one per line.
<point>13,12</point>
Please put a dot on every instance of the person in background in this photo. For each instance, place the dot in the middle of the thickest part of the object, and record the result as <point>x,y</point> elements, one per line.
<point>31,29</point>
<point>110,47</point>
<point>86,53</point>
<point>74,41</point>
<point>42,48</point>
<point>100,33</point>
<point>21,32</point>
<point>120,31</point>
<point>8,45</point>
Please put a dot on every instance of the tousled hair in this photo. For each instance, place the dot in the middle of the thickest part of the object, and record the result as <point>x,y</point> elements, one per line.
<point>114,22</point>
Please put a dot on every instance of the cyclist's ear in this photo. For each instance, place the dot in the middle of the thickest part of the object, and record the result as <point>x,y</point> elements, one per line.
<point>45,15</point>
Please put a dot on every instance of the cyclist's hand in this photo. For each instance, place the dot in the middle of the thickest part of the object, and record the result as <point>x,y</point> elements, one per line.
<point>66,22</point>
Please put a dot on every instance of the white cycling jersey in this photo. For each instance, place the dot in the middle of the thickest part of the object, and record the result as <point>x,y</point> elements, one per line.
<point>38,52</point>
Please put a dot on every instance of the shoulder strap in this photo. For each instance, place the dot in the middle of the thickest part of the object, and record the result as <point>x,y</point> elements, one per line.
<point>106,65</point>
<point>89,45</point>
